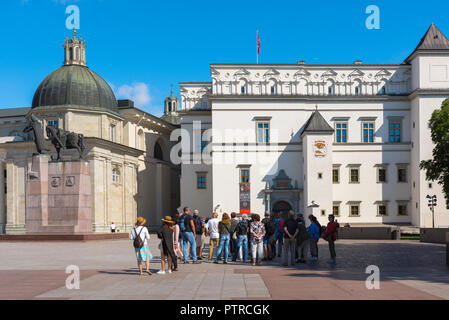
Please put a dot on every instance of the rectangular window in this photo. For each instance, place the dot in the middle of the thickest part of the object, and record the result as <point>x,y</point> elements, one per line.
<point>201,180</point>
<point>402,209</point>
<point>112,132</point>
<point>395,131</point>
<point>381,175</point>
<point>368,132</point>
<point>335,175</point>
<point>54,123</point>
<point>201,142</point>
<point>244,175</point>
<point>341,132</point>
<point>336,210</point>
<point>355,210</point>
<point>354,175</point>
<point>263,131</point>
<point>402,175</point>
<point>382,210</point>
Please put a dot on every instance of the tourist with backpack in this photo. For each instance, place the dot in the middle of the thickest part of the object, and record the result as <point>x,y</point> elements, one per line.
<point>278,236</point>
<point>234,222</point>
<point>141,237</point>
<point>199,228</point>
<point>224,229</point>
<point>302,240</point>
<point>330,235</point>
<point>270,228</point>
<point>242,238</point>
<point>212,232</point>
<point>188,234</point>
<point>314,235</point>
<point>290,232</point>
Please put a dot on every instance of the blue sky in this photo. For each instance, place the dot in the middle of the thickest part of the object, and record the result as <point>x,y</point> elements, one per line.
<point>141,47</point>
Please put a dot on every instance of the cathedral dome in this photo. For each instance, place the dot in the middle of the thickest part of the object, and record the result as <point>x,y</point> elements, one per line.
<point>74,84</point>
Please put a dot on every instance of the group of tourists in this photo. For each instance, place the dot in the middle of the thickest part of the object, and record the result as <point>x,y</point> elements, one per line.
<point>183,236</point>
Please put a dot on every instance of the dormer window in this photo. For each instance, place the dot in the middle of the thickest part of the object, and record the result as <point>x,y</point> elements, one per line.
<point>273,90</point>
<point>383,90</point>
<point>357,91</point>
<point>242,90</point>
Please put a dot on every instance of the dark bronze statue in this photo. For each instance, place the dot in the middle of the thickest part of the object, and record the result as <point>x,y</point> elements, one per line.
<point>63,139</point>
<point>35,126</point>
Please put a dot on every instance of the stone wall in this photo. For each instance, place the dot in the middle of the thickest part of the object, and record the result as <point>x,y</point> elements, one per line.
<point>366,233</point>
<point>434,235</point>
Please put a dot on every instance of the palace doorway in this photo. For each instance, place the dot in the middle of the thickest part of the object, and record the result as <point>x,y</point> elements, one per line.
<point>282,208</point>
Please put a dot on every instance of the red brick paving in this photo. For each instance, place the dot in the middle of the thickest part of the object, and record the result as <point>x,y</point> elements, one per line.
<point>26,285</point>
<point>287,284</point>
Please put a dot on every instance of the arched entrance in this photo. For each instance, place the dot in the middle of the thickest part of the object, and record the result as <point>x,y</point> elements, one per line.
<point>282,208</point>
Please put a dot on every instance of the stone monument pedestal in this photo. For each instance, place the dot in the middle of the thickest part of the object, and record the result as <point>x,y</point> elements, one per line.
<point>58,197</point>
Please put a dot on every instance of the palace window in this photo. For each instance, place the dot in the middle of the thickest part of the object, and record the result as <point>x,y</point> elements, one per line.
<point>368,132</point>
<point>336,175</point>
<point>158,154</point>
<point>402,174</point>
<point>357,91</point>
<point>383,90</point>
<point>402,209</point>
<point>336,209</point>
<point>263,131</point>
<point>116,175</point>
<point>201,180</point>
<point>273,89</point>
<point>341,129</point>
<point>330,90</point>
<point>382,209</point>
<point>243,89</point>
<point>395,131</point>
<point>354,175</point>
<point>381,175</point>
<point>354,210</point>
<point>244,175</point>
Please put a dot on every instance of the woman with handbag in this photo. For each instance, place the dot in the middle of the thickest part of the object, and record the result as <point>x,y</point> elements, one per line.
<point>224,229</point>
<point>141,237</point>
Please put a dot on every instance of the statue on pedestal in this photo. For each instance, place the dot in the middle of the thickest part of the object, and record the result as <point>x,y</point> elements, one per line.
<point>63,139</point>
<point>35,126</point>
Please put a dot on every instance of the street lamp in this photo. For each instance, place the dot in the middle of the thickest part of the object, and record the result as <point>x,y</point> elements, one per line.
<point>432,204</point>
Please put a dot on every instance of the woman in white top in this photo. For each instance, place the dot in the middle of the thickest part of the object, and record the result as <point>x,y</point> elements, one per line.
<point>142,254</point>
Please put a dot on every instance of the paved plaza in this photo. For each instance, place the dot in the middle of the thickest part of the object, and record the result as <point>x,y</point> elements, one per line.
<point>408,270</point>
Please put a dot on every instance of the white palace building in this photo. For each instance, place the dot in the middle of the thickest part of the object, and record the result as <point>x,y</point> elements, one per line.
<point>342,138</point>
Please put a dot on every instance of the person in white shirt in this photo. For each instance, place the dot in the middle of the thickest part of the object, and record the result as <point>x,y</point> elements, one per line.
<point>142,254</point>
<point>112,227</point>
<point>212,232</point>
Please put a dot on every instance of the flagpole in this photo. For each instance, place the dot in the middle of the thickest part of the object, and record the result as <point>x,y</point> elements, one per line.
<point>257,47</point>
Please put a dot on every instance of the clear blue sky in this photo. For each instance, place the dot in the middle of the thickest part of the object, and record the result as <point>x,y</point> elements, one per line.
<point>159,43</point>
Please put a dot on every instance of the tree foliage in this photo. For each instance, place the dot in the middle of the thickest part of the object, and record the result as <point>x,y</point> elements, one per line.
<point>437,169</point>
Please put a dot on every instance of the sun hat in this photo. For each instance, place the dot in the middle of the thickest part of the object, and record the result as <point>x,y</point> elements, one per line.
<point>141,221</point>
<point>168,219</point>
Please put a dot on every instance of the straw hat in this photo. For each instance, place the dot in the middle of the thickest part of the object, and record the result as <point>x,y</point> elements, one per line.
<point>141,221</point>
<point>168,219</point>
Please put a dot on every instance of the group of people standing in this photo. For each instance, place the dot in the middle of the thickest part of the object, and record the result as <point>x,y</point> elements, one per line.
<point>250,238</point>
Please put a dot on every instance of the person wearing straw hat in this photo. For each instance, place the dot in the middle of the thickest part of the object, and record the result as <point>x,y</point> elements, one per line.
<point>143,253</point>
<point>165,233</point>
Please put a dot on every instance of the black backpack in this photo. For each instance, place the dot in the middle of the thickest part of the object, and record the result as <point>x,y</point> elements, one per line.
<point>241,228</point>
<point>198,224</point>
<point>270,227</point>
<point>138,242</point>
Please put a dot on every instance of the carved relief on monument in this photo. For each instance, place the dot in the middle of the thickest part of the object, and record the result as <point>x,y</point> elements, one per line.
<point>55,182</point>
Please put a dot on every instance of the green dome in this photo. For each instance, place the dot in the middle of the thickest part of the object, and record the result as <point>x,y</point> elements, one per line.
<point>77,86</point>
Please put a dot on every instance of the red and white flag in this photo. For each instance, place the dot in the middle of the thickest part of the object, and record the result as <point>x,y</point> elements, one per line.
<point>258,42</point>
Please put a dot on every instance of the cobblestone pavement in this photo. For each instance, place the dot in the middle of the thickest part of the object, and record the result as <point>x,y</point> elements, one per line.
<point>408,270</point>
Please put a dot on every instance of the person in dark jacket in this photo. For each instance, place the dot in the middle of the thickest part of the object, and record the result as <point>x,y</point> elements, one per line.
<point>165,233</point>
<point>234,223</point>
<point>302,240</point>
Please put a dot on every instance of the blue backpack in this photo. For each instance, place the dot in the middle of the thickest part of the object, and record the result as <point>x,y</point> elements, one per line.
<point>182,227</point>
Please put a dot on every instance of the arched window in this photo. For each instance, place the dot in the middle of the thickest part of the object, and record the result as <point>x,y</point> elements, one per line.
<point>77,53</point>
<point>71,53</point>
<point>242,83</point>
<point>116,175</point>
<point>140,140</point>
<point>158,154</point>
<point>330,87</point>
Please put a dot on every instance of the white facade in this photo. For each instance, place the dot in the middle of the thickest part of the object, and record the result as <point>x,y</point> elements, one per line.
<point>240,97</point>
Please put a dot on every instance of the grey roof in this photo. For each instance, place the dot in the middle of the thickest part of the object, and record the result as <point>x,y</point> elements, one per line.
<point>14,112</point>
<point>75,85</point>
<point>317,123</point>
<point>434,39</point>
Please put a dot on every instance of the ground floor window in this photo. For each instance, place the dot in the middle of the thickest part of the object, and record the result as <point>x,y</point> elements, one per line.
<point>335,175</point>
<point>402,209</point>
<point>336,210</point>
<point>354,210</point>
<point>382,210</point>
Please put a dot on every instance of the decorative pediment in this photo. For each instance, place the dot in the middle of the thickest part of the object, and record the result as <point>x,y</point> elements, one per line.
<point>214,72</point>
<point>242,72</point>
<point>329,73</point>
<point>356,73</point>
<point>302,73</point>
<point>383,73</point>
<point>271,72</point>
<point>282,181</point>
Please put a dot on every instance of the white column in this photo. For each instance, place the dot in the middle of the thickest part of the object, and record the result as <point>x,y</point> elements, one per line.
<point>2,199</point>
